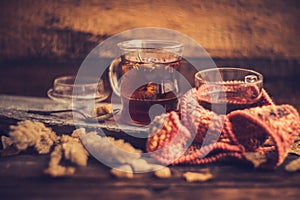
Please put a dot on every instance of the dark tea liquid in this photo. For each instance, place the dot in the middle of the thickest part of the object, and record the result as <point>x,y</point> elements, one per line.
<point>149,82</point>
<point>229,99</point>
<point>139,108</point>
<point>223,107</point>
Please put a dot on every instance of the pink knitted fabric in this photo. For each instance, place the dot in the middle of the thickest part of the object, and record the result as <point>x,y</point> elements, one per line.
<point>199,136</point>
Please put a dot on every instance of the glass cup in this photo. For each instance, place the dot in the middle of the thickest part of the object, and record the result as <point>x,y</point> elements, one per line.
<point>223,90</point>
<point>66,88</point>
<point>145,75</point>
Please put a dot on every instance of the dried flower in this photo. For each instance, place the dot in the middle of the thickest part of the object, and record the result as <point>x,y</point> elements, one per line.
<point>31,134</point>
<point>74,150</point>
<point>70,149</point>
<point>55,169</point>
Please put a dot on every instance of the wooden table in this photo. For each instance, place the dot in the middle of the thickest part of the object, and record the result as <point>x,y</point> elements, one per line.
<point>21,176</point>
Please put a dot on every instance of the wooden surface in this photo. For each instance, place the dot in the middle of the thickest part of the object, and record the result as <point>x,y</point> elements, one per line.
<point>21,176</point>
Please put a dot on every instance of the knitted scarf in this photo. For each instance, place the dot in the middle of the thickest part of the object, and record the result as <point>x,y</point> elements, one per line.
<point>196,135</point>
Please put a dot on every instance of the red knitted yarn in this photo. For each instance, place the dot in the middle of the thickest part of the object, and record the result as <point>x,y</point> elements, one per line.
<point>169,138</point>
<point>223,136</point>
<point>253,126</point>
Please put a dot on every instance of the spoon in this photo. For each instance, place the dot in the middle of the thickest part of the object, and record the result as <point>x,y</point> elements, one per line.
<point>87,118</point>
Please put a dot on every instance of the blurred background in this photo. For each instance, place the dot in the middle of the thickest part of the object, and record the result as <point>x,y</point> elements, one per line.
<point>40,40</point>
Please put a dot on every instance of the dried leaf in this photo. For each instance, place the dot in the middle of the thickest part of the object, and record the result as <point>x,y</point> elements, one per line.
<point>123,171</point>
<point>6,142</point>
<point>139,165</point>
<point>104,109</point>
<point>60,171</point>
<point>164,172</point>
<point>293,166</point>
<point>196,176</point>
<point>256,158</point>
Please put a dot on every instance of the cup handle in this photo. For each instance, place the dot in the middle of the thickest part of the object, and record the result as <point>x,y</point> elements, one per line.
<point>115,75</point>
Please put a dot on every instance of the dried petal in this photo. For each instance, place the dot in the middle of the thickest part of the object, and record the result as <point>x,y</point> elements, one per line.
<point>140,165</point>
<point>256,158</point>
<point>197,176</point>
<point>6,142</point>
<point>123,171</point>
<point>104,109</point>
<point>164,172</point>
<point>293,165</point>
<point>60,171</point>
